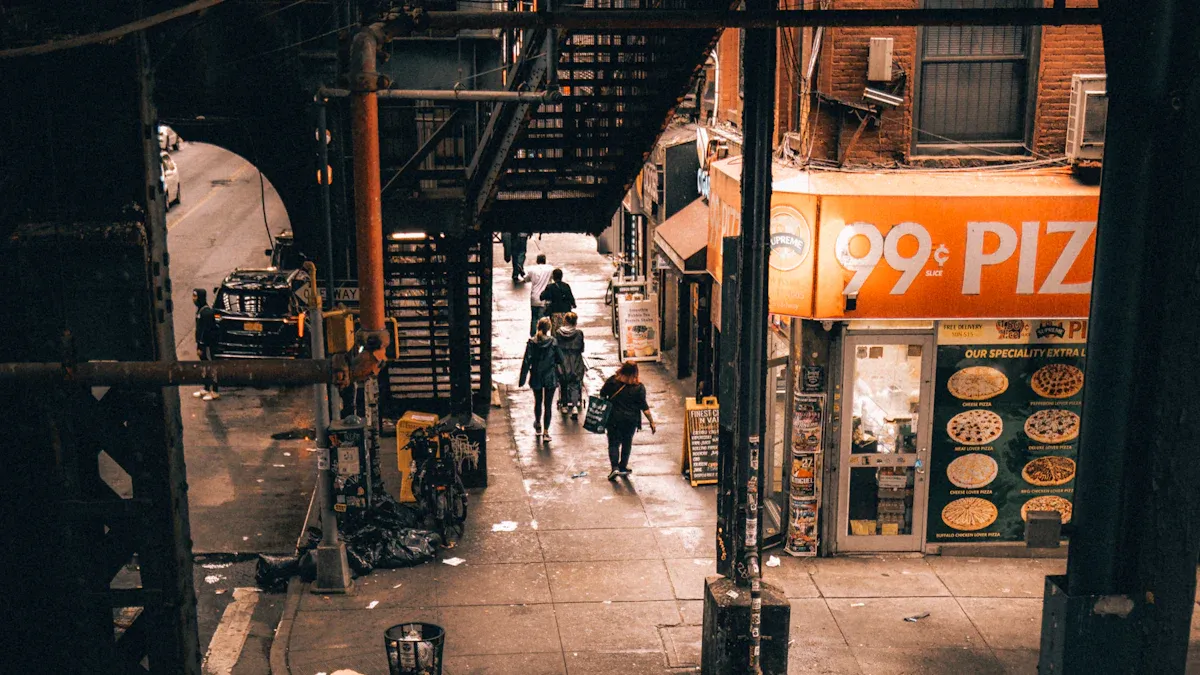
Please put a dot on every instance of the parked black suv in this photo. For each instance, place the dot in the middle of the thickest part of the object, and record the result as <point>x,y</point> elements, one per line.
<point>260,313</point>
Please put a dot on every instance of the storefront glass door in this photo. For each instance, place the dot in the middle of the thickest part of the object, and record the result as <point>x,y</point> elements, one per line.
<point>885,442</point>
<point>775,452</point>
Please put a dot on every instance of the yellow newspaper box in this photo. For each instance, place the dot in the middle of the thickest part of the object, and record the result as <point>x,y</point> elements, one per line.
<point>411,421</point>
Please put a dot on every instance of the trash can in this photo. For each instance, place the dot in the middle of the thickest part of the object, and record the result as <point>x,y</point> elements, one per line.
<point>414,649</point>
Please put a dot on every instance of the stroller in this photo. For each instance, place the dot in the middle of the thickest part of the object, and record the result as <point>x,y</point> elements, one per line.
<point>570,377</point>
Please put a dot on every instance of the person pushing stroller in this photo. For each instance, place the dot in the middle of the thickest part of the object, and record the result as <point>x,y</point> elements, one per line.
<point>570,343</point>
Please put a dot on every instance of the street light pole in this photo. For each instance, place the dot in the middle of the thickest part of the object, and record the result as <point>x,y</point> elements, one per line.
<point>333,570</point>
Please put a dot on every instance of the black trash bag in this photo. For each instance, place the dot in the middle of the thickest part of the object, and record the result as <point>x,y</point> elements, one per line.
<point>358,563</point>
<point>307,567</point>
<point>273,571</point>
<point>411,547</point>
<point>310,539</point>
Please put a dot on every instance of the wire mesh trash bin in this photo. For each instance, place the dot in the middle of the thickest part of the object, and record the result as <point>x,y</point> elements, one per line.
<point>414,649</point>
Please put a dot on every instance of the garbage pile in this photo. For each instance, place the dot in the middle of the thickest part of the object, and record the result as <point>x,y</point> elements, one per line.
<point>386,536</point>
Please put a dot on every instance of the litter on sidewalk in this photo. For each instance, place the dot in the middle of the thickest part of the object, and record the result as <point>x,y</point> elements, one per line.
<point>504,526</point>
<point>917,617</point>
<point>454,562</point>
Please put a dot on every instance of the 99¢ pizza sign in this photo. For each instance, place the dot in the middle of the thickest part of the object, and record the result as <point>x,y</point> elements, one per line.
<point>941,259</point>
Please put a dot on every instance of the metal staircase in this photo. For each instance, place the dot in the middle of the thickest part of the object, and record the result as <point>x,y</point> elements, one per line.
<point>564,166</point>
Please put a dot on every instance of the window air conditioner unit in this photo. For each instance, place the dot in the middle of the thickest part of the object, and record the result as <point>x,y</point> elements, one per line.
<point>1086,117</point>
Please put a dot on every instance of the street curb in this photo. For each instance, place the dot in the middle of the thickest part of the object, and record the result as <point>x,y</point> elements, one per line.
<point>283,632</point>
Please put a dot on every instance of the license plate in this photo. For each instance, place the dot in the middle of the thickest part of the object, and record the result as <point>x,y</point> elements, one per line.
<point>253,325</point>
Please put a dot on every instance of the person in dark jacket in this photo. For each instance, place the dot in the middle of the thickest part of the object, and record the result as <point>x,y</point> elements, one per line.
<point>206,336</point>
<point>570,342</point>
<point>542,364</point>
<point>627,397</point>
<point>559,299</point>
<point>516,245</point>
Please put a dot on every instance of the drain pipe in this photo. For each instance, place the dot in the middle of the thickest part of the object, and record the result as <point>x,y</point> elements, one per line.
<point>368,207</point>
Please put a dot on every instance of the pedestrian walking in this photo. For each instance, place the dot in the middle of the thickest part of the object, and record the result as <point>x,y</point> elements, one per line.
<point>538,277</point>
<point>559,299</point>
<point>542,364</point>
<point>516,245</point>
<point>627,400</point>
<point>570,343</point>
<point>206,335</point>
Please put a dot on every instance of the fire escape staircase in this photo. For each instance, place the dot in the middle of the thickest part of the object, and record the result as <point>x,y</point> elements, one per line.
<point>565,165</point>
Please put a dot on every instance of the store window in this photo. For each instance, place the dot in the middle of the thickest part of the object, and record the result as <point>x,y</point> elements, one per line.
<point>974,88</point>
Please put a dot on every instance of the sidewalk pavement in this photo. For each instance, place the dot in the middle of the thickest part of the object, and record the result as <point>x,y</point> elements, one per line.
<point>607,577</point>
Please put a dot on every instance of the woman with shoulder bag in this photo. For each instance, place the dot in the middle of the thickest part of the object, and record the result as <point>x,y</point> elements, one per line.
<point>542,363</point>
<point>627,404</point>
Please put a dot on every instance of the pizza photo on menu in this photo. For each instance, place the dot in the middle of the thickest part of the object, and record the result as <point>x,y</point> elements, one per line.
<point>1047,503</point>
<point>969,514</point>
<point>1057,380</point>
<point>977,383</point>
<point>1049,471</point>
<point>975,427</point>
<point>1052,426</point>
<point>972,471</point>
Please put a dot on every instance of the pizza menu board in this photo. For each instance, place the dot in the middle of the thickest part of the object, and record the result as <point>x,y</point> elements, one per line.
<point>1006,418</point>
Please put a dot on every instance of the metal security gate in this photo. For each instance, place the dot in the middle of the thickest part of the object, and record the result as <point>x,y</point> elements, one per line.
<point>417,296</point>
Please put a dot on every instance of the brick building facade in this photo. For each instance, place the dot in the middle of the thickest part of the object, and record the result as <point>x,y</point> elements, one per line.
<point>820,119</point>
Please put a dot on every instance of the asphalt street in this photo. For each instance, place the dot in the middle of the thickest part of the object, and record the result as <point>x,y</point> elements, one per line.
<point>247,491</point>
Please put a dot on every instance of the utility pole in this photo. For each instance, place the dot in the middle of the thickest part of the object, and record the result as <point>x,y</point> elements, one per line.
<point>746,622</point>
<point>1126,602</point>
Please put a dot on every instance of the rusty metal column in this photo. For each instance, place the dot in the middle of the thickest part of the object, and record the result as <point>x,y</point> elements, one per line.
<point>1127,600</point>
<point>368,205</point>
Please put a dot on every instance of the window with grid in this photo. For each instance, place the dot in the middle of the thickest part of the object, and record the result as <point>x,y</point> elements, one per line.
<point>974,84</point>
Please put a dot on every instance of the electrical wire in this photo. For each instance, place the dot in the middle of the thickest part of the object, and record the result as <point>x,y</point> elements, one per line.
<point>280,9</point>
<point>291,46</point>
<point>111,34</point>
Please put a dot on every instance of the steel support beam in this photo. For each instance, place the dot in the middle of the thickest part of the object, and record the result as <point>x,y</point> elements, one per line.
<point>462,95</point>
<point>1127,600</point>
<point>659,19</point>
<point>422,152</point>
<point>155,374</point>
<point>504,125</point>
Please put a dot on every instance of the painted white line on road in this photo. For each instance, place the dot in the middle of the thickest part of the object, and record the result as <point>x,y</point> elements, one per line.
<point>196,207</point>
<point>227,642</point>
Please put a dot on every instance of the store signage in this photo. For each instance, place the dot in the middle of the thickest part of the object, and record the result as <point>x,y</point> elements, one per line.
<point>791,238</point>
<point>812,379</point>
<point>790,279</point>
<point>651,178</point>
<point>1006,419</point>
<point>808,423</point>
<point>964,257</point>
<point>918,256</point>
<point>638,335</point>
<point>701,436</point>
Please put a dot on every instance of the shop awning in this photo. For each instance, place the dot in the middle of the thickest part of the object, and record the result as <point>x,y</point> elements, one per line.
<point>683,238</point>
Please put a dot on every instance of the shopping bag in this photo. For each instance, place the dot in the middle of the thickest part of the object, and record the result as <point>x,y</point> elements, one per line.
<point>598,410</point>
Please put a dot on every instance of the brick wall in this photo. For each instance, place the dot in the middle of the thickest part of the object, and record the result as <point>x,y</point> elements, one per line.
<point>729,104</point>
<point>1066,50</point>
<point>843,75</point>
